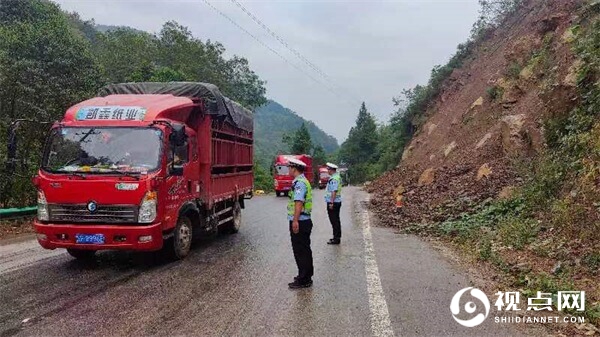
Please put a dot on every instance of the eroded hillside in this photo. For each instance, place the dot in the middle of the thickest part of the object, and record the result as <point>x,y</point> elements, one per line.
<point>489,114</point>
<point>505,164</point>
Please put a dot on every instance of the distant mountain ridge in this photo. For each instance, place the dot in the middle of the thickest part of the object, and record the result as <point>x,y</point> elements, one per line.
<point>272,121</point>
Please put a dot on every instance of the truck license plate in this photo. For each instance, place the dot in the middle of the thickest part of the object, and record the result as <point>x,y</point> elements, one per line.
<point>96,239</point>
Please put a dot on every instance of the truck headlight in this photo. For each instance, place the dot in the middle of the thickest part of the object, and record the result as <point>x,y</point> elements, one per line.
<point>147,211</point>
<point>42,207</point>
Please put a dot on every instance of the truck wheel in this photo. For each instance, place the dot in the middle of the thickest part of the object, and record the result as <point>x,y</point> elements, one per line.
<point>81,254</point>
<point>178,247</point>
<point>234,225</point>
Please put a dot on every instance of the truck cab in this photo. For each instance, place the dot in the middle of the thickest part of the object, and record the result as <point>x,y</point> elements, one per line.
<point>281,173</point>
<point>323,176</point>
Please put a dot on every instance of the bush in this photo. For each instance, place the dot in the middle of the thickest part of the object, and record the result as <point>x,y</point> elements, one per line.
<point>517,231</point>
<point>592,261</point>
<point>485,248</point>
<point>494,92</point>
<point>514,69</point>
<point>468,225</point>
<point>262,179</point>
<point>544,179</point>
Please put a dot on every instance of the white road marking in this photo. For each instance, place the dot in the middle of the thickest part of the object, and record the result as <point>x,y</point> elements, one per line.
<point>380,316</point>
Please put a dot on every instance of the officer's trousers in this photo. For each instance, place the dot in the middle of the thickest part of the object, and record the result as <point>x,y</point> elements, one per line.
<point>302,251</point>
<point>334,218</point>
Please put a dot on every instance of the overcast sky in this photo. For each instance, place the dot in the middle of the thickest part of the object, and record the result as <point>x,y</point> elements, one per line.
<point>370,50</point>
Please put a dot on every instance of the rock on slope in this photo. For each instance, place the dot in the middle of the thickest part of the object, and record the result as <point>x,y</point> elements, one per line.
<point>488,115</point>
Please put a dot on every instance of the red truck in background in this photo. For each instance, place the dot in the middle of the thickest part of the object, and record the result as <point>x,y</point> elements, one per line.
<point>323,176</point>
<point>281,172</point>
<point>145,166</point>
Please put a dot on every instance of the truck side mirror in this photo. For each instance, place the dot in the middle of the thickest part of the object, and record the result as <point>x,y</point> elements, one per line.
<point>178,136</point>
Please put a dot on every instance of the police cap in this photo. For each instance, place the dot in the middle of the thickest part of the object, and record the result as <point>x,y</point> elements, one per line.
<point>293,162</point>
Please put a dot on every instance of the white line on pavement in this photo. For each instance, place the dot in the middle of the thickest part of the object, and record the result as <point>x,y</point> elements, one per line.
<point>380,317</point>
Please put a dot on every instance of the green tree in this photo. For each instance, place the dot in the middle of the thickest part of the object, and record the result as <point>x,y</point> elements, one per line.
<point>125,53</point>
<point>129,55</point>
<point>205,62</point>
<point>299,142</point>
<point>46,65</point>
<point>262,178</point>
<point>363,137</point>
<point>319,158</point>
<point>50,60</point>
<point>166,74</point>
<point>360,149</point>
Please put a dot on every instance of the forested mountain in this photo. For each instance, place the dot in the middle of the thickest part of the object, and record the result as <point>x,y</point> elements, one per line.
<point>272,121</point>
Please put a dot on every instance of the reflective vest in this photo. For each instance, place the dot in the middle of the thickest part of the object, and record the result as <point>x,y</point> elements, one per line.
<point>338,178</point>
<point>307,207</point>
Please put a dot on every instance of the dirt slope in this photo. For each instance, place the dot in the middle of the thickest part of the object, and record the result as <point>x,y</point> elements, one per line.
<point>487,117</point>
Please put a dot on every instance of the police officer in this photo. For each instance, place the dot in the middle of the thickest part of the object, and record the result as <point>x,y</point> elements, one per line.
<point>333,198</point>
<point>299,209</point>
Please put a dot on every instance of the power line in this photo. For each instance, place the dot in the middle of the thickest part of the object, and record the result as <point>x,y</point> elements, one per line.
<point>287,46</point>
<point>259,41</point>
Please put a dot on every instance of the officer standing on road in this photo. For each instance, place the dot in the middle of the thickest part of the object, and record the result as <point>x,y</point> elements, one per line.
<point>333,198</point>
<point>299,209</point>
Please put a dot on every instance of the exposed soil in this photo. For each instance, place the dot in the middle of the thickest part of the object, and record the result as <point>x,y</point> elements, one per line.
<point>487,120</point>
<point>467,128</point>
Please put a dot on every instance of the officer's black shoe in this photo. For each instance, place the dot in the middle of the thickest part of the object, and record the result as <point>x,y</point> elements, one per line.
<point>298,285</point>
<point>333,242</point>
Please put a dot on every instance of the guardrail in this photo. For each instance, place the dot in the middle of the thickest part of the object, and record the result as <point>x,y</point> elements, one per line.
<point>15,213</point>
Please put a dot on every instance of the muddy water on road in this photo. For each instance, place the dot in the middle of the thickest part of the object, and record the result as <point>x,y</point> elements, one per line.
<point>229,285</point>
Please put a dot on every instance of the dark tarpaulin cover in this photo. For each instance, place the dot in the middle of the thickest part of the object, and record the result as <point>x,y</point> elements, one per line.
<point>215,102</point>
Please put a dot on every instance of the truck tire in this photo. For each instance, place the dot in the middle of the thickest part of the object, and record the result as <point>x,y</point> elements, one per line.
<point>178,246</point>
<point>234,225</point>
<point>81,254</point>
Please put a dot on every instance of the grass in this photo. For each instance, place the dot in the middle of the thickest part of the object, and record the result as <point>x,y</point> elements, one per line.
<point>592,261</point>
<point>514,70</point>
<point>495,92</point>
<point>517,232</point>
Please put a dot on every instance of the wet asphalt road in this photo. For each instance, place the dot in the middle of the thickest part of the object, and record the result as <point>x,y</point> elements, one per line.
<point>375,283</point>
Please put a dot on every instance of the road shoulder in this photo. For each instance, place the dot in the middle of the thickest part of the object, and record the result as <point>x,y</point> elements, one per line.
<point>419,282</point>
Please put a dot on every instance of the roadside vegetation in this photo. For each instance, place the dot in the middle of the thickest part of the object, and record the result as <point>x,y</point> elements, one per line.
<point>50,59</point>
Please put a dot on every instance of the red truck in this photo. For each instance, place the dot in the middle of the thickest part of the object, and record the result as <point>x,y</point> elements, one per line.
<point>323,176</point>
<point>281,172</point>
<point>145,166</point>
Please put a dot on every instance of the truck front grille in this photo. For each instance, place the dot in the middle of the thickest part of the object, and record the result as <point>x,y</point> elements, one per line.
<point>75,213</point>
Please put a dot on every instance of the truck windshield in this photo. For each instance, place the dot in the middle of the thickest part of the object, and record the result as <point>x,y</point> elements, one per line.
<point>324,175</point>
<point>103,150</point>
<point>282,170</point>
